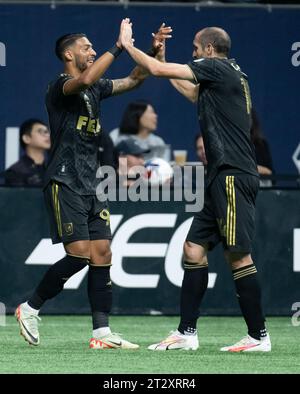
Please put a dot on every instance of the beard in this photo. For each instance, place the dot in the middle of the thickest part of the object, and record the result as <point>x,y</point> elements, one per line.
<point>80,65</point>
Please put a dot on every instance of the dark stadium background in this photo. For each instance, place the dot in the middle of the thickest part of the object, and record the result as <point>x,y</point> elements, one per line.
<point>262,37</point>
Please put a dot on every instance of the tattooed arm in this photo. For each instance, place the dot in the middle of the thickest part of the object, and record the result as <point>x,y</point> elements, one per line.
<point>136,77</point>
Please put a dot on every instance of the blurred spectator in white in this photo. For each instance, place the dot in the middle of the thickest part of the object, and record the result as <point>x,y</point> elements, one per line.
<point>30,169</point>
<point>139,122</point>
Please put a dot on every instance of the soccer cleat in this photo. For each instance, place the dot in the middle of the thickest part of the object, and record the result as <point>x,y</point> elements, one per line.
<point>28,323</point>
<point>177,341</point>
<point>249,344</point>
<point>111,341</point>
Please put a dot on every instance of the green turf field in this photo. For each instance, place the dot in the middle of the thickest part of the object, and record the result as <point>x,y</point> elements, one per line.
<point>64,348</point>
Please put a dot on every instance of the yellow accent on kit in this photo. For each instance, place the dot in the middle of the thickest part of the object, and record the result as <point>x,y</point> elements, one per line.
<point>244,272</point>
<point>245,85</point>
<point>92,125</point>
<point>82,121</point>
<point>105,215</point>
<point>56,208</point>
<point>231,211</point>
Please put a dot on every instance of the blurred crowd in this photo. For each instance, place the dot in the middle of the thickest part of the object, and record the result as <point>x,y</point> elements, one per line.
<point>125,148</point>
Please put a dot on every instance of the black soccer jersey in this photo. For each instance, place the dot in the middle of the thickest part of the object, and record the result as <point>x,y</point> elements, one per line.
<point>75,134</point>
<point>224,109</point>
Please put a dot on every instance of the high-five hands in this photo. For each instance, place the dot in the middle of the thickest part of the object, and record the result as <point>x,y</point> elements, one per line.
<point>159,37</point>
<point>159,40</point>
<point>126,33</point>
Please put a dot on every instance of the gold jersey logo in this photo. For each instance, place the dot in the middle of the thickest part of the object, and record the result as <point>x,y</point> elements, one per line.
<point>91,126</point>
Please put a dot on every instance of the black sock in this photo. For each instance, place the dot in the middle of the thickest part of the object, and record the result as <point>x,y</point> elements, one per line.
<point>100,294</point>
<point>55,278</point>
<point>194,285</point>
<point>249,297</point>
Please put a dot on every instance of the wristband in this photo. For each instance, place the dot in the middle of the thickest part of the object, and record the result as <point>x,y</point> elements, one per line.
<point>152,52</point>
<point>115,51</point>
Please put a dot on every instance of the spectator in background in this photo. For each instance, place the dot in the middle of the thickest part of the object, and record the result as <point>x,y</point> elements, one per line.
<point>130,159</point>
<point>139,121</point>
<point>262,150</point>
<point>30,169</point>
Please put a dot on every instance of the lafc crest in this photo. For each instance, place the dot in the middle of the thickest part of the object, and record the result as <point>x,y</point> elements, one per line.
<point>68,228</point>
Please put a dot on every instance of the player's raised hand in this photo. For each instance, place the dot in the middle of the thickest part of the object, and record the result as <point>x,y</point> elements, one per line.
<point>159,39</point>
<point>161,35</point>
<point>126,33</point>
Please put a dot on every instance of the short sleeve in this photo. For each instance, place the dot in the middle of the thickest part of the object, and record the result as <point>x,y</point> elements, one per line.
<point>55,89</point>
<point>204,70</point>
<point>105,87</point>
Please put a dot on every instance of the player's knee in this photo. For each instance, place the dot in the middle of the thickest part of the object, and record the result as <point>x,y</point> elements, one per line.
<point>194,253</point>
<point>107,255</point>
<point>79,249</point>
<point>238,260</point>
<point>101,257</point>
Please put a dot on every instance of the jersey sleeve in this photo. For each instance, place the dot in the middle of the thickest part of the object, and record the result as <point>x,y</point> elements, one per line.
<point>105,87</point>
<point>55,89</point>
<point>204,70</point>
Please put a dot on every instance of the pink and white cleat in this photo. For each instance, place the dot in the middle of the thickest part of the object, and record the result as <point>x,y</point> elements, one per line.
<point>177,341</point>
<point>249,344</point>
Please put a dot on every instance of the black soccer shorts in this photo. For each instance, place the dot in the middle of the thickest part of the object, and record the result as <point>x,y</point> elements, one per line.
<point>74,217</point>
<point>228,215</point>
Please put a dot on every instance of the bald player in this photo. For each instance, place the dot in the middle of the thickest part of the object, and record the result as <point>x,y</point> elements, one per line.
<point>220,89</point>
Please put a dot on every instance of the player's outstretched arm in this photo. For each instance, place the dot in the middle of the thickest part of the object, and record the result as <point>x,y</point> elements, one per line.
<point>92,74</point>
<point>186,88</point>
<point>155,67</point>
<point>136,77</point>
<point>139,73</point>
